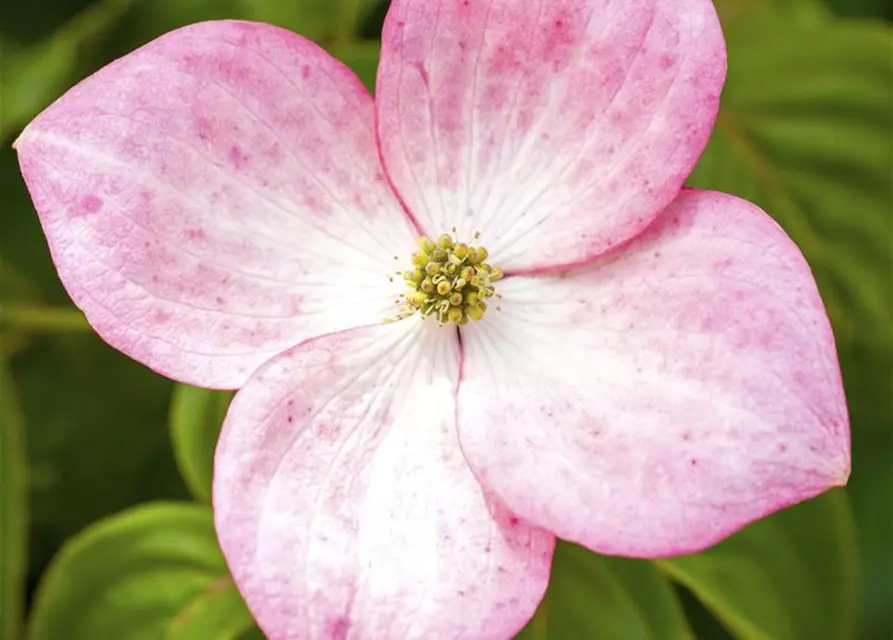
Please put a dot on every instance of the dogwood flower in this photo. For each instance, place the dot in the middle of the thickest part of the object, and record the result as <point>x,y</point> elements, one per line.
<point>467,317</point>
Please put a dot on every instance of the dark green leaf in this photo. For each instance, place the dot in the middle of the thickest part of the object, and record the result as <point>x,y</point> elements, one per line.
<point>97,436</point>
<point>30,21</point>
<point>14,285</point>
<point>152,572</point>
<point>196,417</point>
<point>372,19</point>
<point>792,576</point>
<point>862,8</point>
<point>868,376</point>
<point>13,510</point>
<point>704,624</point>
<point>594,596</point>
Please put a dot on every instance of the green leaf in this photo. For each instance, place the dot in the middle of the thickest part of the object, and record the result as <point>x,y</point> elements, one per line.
<point>97,436</point>
<point>868,377</point>
<point>13,510</point>
<point>804,131</point>
<point>152,572</point>
<point>594,596</point>
<point>196,417</point>
<point>791,576</point>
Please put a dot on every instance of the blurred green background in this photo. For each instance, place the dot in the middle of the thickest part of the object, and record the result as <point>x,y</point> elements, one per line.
<point>105,467</point>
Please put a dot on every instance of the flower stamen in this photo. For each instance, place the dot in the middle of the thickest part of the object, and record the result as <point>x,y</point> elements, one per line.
<point>449,280</point>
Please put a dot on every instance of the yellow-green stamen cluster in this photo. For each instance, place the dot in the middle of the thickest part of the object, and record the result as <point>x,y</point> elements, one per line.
<point>449,280</point>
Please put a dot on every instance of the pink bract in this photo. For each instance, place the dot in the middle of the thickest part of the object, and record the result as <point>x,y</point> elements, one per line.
<point>225,204</point>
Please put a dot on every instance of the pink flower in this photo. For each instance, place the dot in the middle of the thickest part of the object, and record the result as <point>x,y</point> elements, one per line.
<point>656,370</point>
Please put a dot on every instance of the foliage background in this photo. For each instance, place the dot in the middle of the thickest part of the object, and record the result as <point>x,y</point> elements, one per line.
<point>805,131</point>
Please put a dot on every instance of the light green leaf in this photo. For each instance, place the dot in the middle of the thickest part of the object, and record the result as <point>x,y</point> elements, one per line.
<point>804,131</point>
<point>594,596</point>
<point>196,417</point>
<point>32,77</point>
<point>13,510</point>
<point>219,612</point>
<point>151,572</point>
<point>791,576</point>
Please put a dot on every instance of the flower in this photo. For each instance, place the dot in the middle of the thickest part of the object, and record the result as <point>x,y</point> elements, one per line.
<point>638,367</point>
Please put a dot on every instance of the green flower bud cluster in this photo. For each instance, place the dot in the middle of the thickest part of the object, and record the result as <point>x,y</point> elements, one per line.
<point>449,280</point>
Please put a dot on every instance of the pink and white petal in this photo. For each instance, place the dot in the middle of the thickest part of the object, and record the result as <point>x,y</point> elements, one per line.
<point>664,396</point>
<point>215,197</point>
<point>556,128</point>
<point>345,508</point>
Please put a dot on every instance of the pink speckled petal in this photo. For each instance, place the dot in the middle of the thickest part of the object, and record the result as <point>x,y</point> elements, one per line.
<point>345,508</point>
<point>556,128</point>
<point>657,400</point>
<point>215,197</point>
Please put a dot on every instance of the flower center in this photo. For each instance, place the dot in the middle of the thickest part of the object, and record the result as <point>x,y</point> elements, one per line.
<point>449,280</point>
